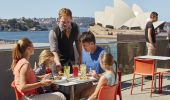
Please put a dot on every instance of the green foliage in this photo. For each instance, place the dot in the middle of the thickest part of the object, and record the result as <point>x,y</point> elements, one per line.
<point>38,24</point>
<point>12,22</point>
<point>30,23</point>
<point>18,24</point>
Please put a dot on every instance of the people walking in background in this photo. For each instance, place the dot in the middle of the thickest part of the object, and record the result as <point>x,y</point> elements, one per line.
<point>62,38</point>
<point>150,34</point>
<point>24,76</point>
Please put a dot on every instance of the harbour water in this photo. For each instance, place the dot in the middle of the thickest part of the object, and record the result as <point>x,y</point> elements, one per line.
<point>37,37</point>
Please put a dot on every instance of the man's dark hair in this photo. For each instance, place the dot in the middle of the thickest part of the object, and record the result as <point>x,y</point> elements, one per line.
<point>153,14</point>
<point>87,37</point>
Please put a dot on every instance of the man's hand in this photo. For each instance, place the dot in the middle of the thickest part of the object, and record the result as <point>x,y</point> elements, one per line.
<point>94,74</point>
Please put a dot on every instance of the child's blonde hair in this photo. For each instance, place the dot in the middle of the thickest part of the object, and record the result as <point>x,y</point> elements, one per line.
<point>107,60</point>
<point>44,56</point>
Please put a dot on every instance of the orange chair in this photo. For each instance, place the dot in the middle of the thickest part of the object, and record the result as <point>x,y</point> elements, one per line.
<point>162,73</point>
<point>119,81</point>
<point>108,93</point>
<point>119,85</point>
<point>144,67</point>
<point>17,93</point>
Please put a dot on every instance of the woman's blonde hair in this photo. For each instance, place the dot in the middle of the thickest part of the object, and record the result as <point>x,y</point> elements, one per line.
<point>19,49</point>
<point>45,55</point>
<point>65,12</point>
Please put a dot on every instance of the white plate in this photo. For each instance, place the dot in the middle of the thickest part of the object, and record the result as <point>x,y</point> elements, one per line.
<point>92,78</point>
<point>60,81</point>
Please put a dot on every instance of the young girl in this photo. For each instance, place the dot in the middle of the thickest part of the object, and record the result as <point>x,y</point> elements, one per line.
<point>24,77</point>
<point>109,77</point>
<point>46,65</point>
<point>46,61</point>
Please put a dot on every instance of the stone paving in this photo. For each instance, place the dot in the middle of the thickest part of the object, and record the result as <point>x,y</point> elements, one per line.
<point>145,94</point>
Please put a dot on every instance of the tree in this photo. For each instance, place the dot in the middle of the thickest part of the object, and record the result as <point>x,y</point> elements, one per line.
<point>12,22</point>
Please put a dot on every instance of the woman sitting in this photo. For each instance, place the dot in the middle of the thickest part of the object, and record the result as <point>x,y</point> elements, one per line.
<point>24,76</point>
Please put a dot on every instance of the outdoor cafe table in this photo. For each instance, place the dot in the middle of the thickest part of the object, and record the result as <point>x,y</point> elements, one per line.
<point>71,82</point>
<point>155,58</point>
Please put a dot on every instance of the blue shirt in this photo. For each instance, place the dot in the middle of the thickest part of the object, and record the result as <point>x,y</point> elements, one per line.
<point>93,60</point>
<point>40,70</point>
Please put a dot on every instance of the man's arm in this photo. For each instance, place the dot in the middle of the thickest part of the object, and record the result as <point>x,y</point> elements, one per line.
<point>79,46</point>
<point>54,46</point>
<point>79,49</point>
<point>56,58</point>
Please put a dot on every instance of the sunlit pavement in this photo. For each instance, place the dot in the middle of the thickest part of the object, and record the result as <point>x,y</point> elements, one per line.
<point>137,94</point>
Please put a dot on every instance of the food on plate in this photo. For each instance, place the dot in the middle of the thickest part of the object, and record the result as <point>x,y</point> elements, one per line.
<point>88,75</point>
<point>60,74</point>
<point>57,78</point>
<point>84,78</point>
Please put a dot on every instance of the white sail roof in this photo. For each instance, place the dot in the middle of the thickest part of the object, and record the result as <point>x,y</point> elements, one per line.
<point>121,14</point>
<point>136,10</point>
<point>133,22</point>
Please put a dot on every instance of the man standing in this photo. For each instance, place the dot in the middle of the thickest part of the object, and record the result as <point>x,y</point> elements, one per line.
<point>150,34</point>
<point>62,38</point>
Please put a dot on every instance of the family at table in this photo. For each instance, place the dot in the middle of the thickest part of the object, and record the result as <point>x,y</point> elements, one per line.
<point>33,84</point>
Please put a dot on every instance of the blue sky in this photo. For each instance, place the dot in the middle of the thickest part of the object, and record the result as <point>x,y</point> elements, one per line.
<point>86,8</point>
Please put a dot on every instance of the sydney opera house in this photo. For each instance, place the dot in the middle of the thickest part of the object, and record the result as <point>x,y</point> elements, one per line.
<point>121,15</point>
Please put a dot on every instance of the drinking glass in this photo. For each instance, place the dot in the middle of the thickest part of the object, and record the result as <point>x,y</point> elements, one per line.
<point>90,71</point>
<point>54,69</point>
<point>83,72</point>
<point>67,71</point>
<point>48,70</point>
<point>75,70</point>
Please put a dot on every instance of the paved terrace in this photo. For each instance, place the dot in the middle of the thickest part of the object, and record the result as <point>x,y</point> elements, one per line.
<point>137,94</point>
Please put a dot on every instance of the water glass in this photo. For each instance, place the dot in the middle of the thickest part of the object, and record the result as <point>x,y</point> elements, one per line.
<point>54,69</point>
